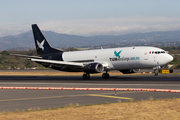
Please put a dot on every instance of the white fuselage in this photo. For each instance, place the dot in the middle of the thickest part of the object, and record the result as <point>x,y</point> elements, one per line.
<point>127,58</point>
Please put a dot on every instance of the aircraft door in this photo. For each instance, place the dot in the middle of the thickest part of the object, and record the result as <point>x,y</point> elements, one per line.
<point>95,58</point>
<point>146,55</point>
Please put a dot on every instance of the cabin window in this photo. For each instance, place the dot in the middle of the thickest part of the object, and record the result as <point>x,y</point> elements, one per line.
<point>156,52</point>
<point>152,52</point>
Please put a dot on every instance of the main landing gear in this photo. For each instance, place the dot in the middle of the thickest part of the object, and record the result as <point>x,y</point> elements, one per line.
<point>105,75</point>
<point>86,76</point>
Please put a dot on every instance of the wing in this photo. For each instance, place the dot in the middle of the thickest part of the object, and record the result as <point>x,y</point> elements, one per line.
<point>61,65</point>
<point>58,62</point>
<point>65,66</point>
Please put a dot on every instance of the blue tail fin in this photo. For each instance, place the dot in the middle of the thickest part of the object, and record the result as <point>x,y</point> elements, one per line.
<point>42,45</point>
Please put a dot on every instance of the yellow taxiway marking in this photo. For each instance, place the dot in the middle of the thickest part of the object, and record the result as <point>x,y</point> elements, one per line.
<point>122,92</point>
<point>39,98</point>
<point>109,96</point>
<point>98,95</point>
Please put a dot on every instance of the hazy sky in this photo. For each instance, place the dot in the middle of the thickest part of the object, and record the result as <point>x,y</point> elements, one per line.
<point>89,17</point>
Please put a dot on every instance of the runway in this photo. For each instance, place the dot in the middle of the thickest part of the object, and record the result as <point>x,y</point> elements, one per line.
<point>12,100</point>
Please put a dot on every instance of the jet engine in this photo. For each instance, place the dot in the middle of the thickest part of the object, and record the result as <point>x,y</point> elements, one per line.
<point>129,71</point>
<point>94,68</point>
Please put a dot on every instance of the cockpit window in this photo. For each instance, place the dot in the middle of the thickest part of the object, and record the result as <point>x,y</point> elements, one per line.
<point>158,52</point>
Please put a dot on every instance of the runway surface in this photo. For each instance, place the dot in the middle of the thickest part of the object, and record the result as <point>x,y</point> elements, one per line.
<point>11,100</point>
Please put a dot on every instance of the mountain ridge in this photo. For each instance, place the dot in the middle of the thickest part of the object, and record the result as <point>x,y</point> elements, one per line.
<point>58,40</point>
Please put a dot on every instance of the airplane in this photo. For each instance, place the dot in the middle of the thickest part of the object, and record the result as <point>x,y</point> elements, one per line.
<point>124,59</point>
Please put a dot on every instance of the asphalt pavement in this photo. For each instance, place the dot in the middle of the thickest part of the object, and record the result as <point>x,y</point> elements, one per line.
<point>11,100</point>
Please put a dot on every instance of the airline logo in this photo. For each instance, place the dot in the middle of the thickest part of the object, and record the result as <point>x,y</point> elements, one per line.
<point>41,45</point>
<point>117,53</point>
<point>119,58</point>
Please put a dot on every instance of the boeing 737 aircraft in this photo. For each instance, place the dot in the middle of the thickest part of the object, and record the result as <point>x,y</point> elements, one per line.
<point>125,59</point>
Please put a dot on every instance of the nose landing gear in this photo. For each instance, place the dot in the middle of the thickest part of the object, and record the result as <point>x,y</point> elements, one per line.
<point>155,73</point>
<point>156,70</point>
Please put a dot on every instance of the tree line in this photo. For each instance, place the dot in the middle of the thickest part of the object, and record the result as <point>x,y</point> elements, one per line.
<point>13,62</point>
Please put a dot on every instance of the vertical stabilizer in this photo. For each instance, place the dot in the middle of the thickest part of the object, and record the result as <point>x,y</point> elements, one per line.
<point>42,46</point>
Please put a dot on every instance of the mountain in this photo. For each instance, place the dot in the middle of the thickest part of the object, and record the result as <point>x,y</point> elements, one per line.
<point>26,40</point>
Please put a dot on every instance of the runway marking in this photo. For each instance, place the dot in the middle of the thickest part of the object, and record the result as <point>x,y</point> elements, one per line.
<point>6,100</point>
<point>108,96</point>
<point>38,98</point>
<point>123,92</point>
<point>85,84</point>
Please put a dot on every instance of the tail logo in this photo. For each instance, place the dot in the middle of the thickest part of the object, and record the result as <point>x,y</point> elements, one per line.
<point>41,45</point>
<point>117,53</point>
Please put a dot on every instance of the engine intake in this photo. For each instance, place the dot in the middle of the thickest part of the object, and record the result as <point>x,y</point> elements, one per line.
<point>94,68</point>
<point>129,71</point>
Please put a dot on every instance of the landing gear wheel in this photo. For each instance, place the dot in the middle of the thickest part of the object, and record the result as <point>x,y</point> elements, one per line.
<point>155,73</point>
<point>86,76</point>
<point>105,75</point>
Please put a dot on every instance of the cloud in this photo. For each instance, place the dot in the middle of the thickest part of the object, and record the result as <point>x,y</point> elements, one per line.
<point>13,28</point>
<point>106,26</point>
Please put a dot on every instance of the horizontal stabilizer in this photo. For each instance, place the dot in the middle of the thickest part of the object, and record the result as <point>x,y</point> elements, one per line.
<point>27,56</point>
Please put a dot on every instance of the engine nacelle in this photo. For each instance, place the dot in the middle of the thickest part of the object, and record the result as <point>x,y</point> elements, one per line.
<point>129,71</point>
<point>94,68</point>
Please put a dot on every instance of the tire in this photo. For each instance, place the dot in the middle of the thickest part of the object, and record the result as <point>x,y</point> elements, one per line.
<point>86,76</point>
<point>155,73</point>
<point>105,75</point>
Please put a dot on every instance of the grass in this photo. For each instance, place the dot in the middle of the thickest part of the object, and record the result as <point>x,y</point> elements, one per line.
<point>39,73</point>
<point>60,73</point>
<point>161,109</point>
<point>56,73</point>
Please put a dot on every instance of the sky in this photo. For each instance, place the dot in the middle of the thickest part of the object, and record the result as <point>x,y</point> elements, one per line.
<point>89,17</point>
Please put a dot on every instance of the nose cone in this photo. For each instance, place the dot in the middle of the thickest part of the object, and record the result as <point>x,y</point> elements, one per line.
<point>164,59</point>
<point>170,58</point>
